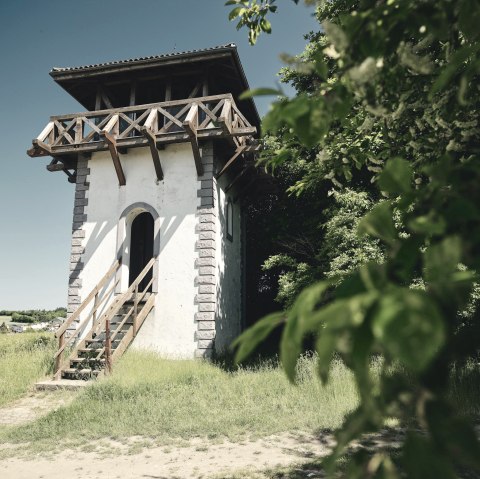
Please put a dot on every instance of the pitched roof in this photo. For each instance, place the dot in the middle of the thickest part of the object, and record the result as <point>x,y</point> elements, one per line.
<point>55,71</point>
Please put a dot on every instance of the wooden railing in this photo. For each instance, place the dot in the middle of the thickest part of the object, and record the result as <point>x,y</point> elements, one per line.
<point>103,324</point>
<point>167,122</point>
<point>64,342</point>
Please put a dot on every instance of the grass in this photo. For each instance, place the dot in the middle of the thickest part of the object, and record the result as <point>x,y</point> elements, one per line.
<point>24,358</point>
<point>162,399</point>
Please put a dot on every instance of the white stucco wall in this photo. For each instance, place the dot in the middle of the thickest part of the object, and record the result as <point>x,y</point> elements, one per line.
<point>229,274</point>
<point>170,329</point>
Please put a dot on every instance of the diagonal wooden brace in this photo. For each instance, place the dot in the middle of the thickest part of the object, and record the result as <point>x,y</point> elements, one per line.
<point>152,143</point>
<point>231,161</point>
<point>112,147</point>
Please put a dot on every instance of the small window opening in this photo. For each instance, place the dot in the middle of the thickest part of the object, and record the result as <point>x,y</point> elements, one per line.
<point>229,220</point>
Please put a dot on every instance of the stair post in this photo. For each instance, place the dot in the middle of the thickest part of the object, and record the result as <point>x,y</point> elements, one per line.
<point>58,359</point>
<point>135,310</point>
<point>108,348</point>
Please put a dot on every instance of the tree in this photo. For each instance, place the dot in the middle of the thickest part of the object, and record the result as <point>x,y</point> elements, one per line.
<point>393,91</point>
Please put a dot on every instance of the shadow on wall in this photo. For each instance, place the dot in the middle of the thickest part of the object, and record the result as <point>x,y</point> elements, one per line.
<point>229,280</point>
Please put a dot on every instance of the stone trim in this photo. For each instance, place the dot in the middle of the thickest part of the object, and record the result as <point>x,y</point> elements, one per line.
<point>78,234</point>
<point>205,264</point>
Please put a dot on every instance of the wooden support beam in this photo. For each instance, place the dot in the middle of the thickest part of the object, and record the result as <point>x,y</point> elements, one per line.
<point>152,143</point>
<point>133,92</point>
<point>225,122</point>
<point>111,124</point>
<point>190,124</point>
<point>55,165</point>
<point>168,90</point>
<point>98,98</point>
<point>112,146</point>
<point>105,98</point>
<point>230,161</point>
<point>41,147</point>
<point>236,179</point>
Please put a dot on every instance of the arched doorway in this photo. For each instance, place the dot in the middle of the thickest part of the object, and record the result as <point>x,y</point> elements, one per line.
<point>141,248</point>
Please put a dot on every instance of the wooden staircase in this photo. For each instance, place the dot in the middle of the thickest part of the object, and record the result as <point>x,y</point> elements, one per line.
<point>93,352</point>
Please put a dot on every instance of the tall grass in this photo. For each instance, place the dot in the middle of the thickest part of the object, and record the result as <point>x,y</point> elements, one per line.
<point>163,399</point>
<point>24,358</point>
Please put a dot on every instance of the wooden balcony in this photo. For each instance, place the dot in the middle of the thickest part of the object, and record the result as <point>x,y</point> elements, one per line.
<point>152,125</point>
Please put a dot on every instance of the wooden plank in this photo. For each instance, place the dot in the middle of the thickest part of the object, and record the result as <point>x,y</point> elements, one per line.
<point>111,124</point>
<point>152,120</point>
<point>55,167</point>
<point>112,147</point>
<point>98,99</point>
<point>63,131</point>
<point>195,90</point>
<point>146,106</point>
<point>230,161</point>
<point>87,300</point>
<point>105,98</point>
<point>190,124</point>
<point>45,149</point>
<point>162,138</point>
<point>46,131</point>
<point>78,130</point>
<point>167,125</point>
<point>133,92</point>
<point>133,123</point>
<point>152,143</point>
<point>168,90</point>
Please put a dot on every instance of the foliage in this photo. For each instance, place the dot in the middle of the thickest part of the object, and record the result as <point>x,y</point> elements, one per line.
<point>394,92</point>
<point>35,315</point>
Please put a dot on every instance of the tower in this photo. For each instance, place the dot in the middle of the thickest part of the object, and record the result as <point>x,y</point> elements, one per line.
<point>160,161</point>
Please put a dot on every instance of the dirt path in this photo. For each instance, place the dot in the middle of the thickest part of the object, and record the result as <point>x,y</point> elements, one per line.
<point>199,459</point>
<point>33,406</point>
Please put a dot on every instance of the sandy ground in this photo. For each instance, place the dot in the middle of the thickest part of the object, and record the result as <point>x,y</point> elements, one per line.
<point>33,406</point>
<point>198,459</point>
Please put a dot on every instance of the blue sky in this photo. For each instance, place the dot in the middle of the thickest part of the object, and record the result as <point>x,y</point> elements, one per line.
<point>35,205</point>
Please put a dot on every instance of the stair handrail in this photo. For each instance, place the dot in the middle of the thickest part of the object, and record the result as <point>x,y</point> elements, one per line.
<point>93,295</point>
<point>115,308</point>
<point>109,314</point>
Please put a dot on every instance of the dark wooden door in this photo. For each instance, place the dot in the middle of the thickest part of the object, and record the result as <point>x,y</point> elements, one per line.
<point>141,248</point>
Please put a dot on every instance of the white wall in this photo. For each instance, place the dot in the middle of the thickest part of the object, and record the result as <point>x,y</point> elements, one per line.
<point>171,329</point>
<point>229,274</point>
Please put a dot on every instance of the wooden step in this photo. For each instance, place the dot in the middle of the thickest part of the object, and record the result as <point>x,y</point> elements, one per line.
<point>82,372</point>
<point>81,360</point>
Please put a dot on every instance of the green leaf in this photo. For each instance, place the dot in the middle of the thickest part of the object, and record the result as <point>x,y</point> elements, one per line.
<point>236,12</point>
<point>456,433</point>
<point>379,223</point>
<point>409,326</point>
<point>442,259</point>
<point>469,18</point>
<point>422,460</point>
<point>295,328</point>
<point>259,92</point>
<point>454,67</point>
<point>266,26</point>
<point>430,224</point>
<point>249,340</point>
<point>396,177</point>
